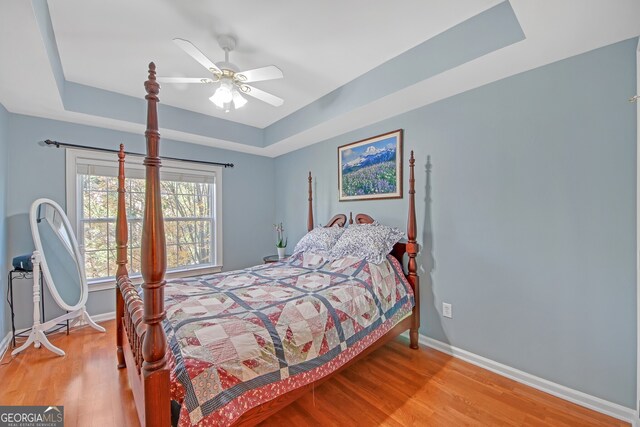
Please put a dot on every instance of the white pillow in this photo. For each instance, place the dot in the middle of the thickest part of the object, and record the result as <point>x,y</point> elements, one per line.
<point>369,241</point>
<point>320,240</point>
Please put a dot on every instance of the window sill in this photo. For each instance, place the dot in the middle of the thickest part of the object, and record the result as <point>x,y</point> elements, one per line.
<point>110,283</point>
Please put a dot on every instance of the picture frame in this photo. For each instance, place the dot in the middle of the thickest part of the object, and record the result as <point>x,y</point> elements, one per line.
<point>371,169</point>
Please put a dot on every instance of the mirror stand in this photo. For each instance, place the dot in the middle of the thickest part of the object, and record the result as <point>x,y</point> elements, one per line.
<point>58,257</point>
<point>37,336</point>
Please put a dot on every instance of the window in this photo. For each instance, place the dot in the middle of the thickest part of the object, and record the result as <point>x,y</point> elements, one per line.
<point>190,195</point>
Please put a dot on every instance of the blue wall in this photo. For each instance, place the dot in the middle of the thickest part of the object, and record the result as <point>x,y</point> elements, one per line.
<point>35,171</point>
<point>527,217</point>
<point>4,124</point>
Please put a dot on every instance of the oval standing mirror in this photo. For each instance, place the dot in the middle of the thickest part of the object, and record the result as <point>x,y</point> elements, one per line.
<point>58,257</point>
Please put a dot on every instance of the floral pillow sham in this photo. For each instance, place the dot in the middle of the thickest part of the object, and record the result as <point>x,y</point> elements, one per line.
<point>320,240</point>
<point>370,241</point>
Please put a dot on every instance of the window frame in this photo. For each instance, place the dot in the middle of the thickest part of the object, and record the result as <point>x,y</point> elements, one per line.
<point>73,194</point>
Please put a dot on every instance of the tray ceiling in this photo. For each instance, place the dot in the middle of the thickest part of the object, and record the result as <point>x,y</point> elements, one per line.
<point>323,48</point>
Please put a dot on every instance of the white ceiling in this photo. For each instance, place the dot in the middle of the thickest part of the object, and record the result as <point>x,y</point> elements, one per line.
<point>320,46</point>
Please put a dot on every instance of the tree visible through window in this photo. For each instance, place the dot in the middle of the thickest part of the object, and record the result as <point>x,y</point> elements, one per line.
<point>188,209</point>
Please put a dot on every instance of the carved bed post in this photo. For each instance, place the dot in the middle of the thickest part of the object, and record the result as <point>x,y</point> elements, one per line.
<point>310,216</point>
<point>121,248</point>
<point>412,251</point>
<point>154,262</point>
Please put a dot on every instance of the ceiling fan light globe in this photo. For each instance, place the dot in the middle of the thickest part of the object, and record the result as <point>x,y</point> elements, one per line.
<point>216,101</point>
<point>223,95</point>
<point>239,101</point>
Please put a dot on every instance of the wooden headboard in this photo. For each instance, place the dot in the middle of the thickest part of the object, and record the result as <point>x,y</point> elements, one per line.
<point>361,219</point>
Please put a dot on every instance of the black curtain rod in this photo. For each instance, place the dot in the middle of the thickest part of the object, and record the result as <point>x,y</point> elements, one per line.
<point>84,147</point>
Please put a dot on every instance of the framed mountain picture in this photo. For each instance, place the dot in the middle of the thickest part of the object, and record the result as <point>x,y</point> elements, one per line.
<point>371,168</point>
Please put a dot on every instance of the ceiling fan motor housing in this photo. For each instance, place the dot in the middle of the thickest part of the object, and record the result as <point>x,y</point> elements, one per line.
<point>224,65</point>
<point>227,43</point>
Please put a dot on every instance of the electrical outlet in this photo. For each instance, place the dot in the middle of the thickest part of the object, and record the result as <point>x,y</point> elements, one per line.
<point>447,310</point>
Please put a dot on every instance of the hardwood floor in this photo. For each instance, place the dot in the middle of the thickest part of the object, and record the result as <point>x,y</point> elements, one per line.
<point>395,386</point>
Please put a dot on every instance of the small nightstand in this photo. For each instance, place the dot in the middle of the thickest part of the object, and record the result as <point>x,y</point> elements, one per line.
<point>273,258</point>
<point>28,275</point>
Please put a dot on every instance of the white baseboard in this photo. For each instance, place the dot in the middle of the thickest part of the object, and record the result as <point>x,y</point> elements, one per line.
<point>595,403</point>
<point>100,318</point>
<point>4,344</point>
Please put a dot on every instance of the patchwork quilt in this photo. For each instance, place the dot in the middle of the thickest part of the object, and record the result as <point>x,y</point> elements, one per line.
<point>241,338</point>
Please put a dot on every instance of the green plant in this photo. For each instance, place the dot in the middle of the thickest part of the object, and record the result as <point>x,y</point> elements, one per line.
<point>282,241</point>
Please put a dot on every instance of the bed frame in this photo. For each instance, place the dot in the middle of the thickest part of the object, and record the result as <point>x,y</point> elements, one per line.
<point>140,339</point>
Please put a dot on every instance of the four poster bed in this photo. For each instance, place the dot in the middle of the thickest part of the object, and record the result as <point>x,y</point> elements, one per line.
<point>179,339</point>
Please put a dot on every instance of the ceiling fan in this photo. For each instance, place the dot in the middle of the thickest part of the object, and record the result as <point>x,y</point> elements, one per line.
<point>232,82</point>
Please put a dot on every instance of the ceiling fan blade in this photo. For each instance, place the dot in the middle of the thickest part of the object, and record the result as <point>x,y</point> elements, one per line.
<point>262,95</point>
<point>269,72</point>
<point>184,80</point>
<point>195,53</point>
